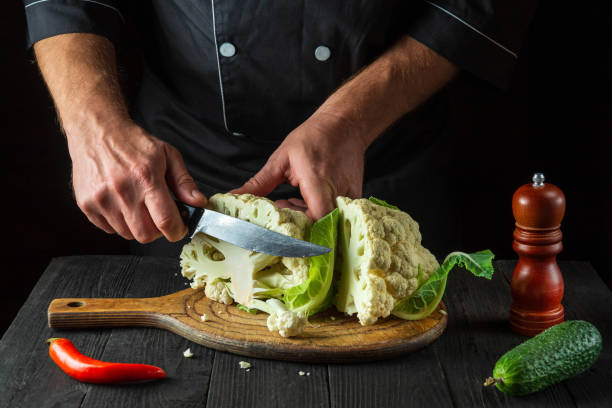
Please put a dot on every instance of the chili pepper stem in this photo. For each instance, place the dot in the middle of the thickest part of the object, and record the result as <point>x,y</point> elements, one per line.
<point>51,340</point>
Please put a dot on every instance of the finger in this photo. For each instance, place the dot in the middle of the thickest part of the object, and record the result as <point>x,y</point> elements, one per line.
<point>100,222</point>
<point>319,197</point>
<point>141,224</point>
<point>297,202</point>
<point>181,182</point>
<point>355,190</point>
<point>287,204</point>
<point>115,219</point>
<point>264,182</point>
<point>108,213</point>
<point>165,214</point>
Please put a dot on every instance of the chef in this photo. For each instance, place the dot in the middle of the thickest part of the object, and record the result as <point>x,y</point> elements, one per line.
<point>298,101</point>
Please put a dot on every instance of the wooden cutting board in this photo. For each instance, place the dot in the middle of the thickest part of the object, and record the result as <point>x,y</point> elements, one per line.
<point>329,337</point>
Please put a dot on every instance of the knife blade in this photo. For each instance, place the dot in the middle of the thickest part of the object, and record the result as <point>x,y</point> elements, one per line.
<point>245,234</point>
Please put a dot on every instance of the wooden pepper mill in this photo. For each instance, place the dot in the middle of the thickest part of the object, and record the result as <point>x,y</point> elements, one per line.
<point>537,283</point>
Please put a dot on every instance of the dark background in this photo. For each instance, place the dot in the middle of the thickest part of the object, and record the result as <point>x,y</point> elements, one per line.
<point>556,118</point>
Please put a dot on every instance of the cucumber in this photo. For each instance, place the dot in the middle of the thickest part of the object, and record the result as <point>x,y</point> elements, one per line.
<point>554,355</point>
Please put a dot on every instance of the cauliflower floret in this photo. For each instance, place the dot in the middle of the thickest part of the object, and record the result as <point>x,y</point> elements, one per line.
<point>282,320</point>
<point>381,255</point>
<point>218,292</point>
<point>229,272</point>
<point>195,259</point>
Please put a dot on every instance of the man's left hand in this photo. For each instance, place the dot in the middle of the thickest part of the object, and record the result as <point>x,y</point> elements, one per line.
<point>324,157</point>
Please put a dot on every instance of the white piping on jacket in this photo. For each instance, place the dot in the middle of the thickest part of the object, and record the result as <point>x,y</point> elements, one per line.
<point>474,29</point>
<point>212,3</point>
<point>88,1</point>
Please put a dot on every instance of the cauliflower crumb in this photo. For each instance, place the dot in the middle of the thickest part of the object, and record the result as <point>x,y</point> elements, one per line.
<point>332,317</point>
<point>244,364</point>
<point>308,373</point>
<point>187,353</point>
<point>301,373</point>
<point>443,312</point>
<point>204,317</point>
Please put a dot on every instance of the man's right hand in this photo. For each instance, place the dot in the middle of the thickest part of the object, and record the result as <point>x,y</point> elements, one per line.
<point>122,178</point>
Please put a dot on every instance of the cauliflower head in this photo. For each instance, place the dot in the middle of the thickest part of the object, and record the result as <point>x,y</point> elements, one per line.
<point>382,259</point>
<point>230,273</point>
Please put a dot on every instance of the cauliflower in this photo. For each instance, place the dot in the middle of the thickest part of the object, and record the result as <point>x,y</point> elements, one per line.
<point>229,273</point>
<point>219,292</point>
<point>383,260</point>
<point>383,268</point>
<point>282,320</point>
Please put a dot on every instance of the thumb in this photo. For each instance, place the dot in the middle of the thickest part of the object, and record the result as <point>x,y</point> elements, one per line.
<point>262,183</point>
<point>180,181</point>
<point>319,197</point>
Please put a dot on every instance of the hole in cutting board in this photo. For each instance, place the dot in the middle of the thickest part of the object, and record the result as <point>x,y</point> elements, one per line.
<point>75,304</point>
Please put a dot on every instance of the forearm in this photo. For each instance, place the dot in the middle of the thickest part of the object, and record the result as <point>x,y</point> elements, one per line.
<point>81,74</point>
<point>394,84</point>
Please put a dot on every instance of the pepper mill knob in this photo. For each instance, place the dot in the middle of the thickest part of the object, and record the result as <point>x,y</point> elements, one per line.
<point>537,284</point>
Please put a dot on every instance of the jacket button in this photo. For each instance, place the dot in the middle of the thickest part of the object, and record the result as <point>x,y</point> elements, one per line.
<point>322,53</point>
<point>227,49</point>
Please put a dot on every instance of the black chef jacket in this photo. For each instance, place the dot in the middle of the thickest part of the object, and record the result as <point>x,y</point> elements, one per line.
<point>226,80</point>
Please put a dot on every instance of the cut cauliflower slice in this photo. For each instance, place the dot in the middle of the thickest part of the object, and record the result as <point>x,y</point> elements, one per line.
<point>230,273</point>
<point>383,260</point>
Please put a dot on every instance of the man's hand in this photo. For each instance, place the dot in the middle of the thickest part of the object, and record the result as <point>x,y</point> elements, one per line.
<point>122,176</point>
<point>323,157</point>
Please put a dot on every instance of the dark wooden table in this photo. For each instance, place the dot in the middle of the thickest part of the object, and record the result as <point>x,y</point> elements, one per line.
<point>447,373</point>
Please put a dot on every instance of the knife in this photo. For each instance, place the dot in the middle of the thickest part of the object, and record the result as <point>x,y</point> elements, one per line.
<point>245,234</point>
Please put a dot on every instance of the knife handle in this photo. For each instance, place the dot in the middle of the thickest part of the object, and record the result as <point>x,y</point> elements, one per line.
<point>190,215</point>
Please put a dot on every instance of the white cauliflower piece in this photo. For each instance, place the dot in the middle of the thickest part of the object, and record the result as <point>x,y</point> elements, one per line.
<point>381,255</point>
<point>219,292</point>
<point>282,320</point>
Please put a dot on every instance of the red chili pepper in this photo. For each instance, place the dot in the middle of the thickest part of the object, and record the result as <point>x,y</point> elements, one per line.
<point>86,369</point>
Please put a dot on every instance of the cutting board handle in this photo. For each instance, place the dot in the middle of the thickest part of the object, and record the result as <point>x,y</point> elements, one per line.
<point>96,312</point>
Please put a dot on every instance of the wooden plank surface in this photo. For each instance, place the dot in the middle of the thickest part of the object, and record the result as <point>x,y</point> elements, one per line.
<point>478,334</point>
<point>268,383</point>
<point>447,373</point>
<point>28,377</point>
<point>188,378</point>
<point>451,371</point>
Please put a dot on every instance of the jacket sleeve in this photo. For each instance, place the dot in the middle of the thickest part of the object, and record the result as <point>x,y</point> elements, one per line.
<point>480,36</point>
<point>46,18</point>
